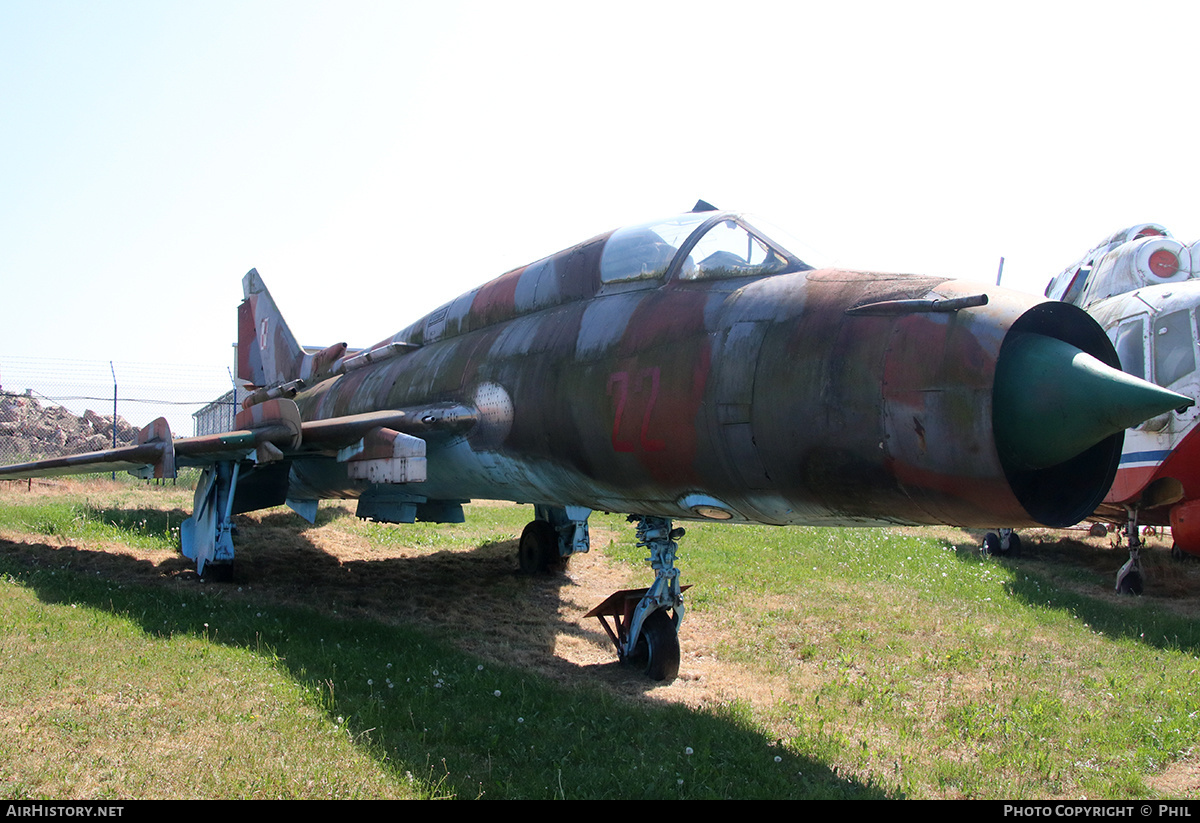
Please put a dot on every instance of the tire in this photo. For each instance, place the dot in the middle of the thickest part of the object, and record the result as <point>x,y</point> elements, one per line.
<point>537,552</point>
<point>1132,584</point>
<point>218,572</point>
<point>657,651</point>
<point>991,544</point>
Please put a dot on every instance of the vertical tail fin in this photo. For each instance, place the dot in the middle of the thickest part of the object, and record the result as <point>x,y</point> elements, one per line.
<point>267,350</point>
<point>268,353</point>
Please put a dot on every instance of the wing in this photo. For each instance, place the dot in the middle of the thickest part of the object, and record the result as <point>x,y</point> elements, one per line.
<point>376,445</point>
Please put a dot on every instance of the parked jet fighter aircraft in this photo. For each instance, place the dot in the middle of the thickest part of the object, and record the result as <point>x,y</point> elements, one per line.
<point>1143,286</point>
<point>688,368</point>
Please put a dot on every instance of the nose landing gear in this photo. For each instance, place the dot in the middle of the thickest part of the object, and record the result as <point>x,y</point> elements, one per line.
<point>646,630</point>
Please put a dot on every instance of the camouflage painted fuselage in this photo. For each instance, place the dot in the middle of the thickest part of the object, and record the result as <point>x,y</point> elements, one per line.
<point>751,398</point>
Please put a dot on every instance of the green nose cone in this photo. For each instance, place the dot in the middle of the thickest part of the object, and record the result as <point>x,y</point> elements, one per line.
<point>1052,401</point>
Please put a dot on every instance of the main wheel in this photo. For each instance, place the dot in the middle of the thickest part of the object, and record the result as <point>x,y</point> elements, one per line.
<point>1014,545</point>
<point>538,550</point>
<point>991,544</point>
<point>218,572</point>
<point>657,650</point>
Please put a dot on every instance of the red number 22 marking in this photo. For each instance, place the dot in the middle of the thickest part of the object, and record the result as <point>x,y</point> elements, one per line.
<point>618,384</point>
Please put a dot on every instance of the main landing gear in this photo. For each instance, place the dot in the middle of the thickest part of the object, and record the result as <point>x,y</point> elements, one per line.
<point>1130,578</point>
<point>1002,542</point>
<point>549,541</point>
<point>207,536</point>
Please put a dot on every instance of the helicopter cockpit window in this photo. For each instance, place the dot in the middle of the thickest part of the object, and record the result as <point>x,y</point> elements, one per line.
<point>1077,283</point>
<point>1130,346</point>
<point>1174,356</point>
<point>645,252</point>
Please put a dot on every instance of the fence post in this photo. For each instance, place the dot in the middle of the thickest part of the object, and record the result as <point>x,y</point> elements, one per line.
<point>233,406</point>
<point>114,426</point>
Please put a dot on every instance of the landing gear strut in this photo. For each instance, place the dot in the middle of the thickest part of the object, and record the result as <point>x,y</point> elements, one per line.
<point>647,621</point>
<point>1129,578</point>
<point>207,536</point>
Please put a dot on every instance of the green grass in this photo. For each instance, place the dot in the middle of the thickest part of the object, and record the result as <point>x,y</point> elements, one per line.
<point>495,522</point>
<point>141,528</point>
<point>241,701</point>
<point>886,665</point>
<point>135,691</point>
<point>942,673</point>
<point>96,705</point>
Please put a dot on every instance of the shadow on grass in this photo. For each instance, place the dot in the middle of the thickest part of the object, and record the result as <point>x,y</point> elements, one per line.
<point>420,705</point>
<point>1072,577</point>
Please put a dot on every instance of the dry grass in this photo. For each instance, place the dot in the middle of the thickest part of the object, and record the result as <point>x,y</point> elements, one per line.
<point>475,595</point>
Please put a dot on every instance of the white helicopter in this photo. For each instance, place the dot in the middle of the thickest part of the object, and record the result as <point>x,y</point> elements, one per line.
<point>1143,286</point>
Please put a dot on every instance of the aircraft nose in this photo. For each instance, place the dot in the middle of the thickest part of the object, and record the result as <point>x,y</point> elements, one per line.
<point>1053,401</point>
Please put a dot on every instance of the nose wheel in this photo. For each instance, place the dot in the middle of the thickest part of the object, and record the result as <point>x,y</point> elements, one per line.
<point>655,651</point>
<point>645,622</point>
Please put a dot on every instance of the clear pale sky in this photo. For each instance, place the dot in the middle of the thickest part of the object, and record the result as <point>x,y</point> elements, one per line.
<point>375,159</point>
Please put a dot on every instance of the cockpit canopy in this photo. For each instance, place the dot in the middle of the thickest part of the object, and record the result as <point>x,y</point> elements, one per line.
<point>694,246</point>
<point>722,249</point>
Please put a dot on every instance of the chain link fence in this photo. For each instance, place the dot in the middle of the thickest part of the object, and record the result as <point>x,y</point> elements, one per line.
<point>52,407</point>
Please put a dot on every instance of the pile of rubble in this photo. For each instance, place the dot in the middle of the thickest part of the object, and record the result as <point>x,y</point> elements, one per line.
<point>29,431</point>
